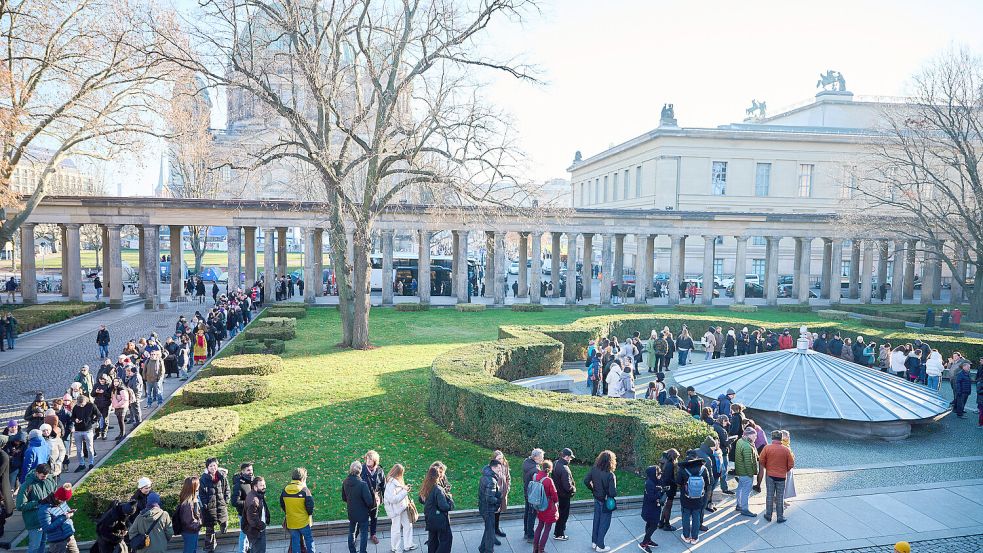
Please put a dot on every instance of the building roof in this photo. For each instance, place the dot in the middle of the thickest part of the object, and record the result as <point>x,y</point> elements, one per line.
<point>805,383</point>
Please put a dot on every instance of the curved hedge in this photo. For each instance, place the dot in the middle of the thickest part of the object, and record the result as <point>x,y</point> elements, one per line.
<point>270,332</point>
<point>195,428</point>
<point>471,398</point>
<point>101,487</point>
<point>216,391</point>
<point>292,312</point>
<point>255,364</point>
<point>470,307</point>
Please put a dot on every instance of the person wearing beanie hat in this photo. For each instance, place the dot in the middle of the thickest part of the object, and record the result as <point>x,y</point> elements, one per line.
<point>56,447</point>
<point>34,414</point>
<point>692,503</point>
<point>56,522</point>
<point>111,528</point>
<point>153,524</point>
<point>745,468</point>
<point>709,451</point>
<point>141,496</point>
<point>902,547</point>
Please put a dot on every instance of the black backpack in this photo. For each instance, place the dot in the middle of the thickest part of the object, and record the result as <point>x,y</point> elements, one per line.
<point>105,523</point>
<point>176,521</point>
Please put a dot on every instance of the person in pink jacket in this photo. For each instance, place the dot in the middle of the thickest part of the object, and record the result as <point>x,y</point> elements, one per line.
<point>119,397</point>
<point>549,515</point>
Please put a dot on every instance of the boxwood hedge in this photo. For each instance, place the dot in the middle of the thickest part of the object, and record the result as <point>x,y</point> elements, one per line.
<point>36,316</point>
<point>100,488</point>
<point>471,397</point>
<point>794,307</point>
<point>743,308</point>
<point>253,364</point>
<point>272,346</point>
<point>292,312</point>
<point>527,307</point>
<point>276,322</point>
<point>834,314</point>
<point>270,332</point>
<point>638,308</point>
<point>195,428</point>
<point>691,308</point>
<point>470,307</point>
<point>412,307</point>
<point>217,391</point>
<point>882,322</point>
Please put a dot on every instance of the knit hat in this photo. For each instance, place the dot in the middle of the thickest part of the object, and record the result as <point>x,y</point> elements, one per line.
<point>11,423</point>
<point>153,499</point>
<point>39,397</point>
<point>711,442</point>
<point>750,432</point>
<point>144,482</point>
<point>44,427</point>
<point>36,433</point>
<point>731,392</point>
<point>63,493</point>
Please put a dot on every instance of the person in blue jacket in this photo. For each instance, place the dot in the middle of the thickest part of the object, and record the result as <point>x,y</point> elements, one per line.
<point>56,521</point>
<point>652,505</point>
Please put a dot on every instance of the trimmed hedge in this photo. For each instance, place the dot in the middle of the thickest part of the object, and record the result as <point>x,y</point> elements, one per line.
<point>470,307</point>
<point>34,317</point>
<point>691,308</point>
<point>167,472</point>
<point>834,315</point>
<point>794,307</point>
<point>217,391</point>
<point>291,312</point>
<point>276,322</point>
<point>638,308</point>
<point>270,332</point>
<point>527,307</point>
<point>195,428</point>
<point>412,307</point>
<point>256,364</point>
<point>881,322</point>
<point>471,398</point>
<point>743,308</point>
<point>271,346</point>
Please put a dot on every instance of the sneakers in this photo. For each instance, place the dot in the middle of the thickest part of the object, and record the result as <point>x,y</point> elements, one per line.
<point>685,539</point>
<point>703,528</point>
<point>499,533</point>
<point>669,528</point>
<point>561,538</point>
<point>729,492</point>
<point>81,468</point>
<point>749,514</point>
<point>781,520</point>
<point>645,547</point>
<point>604,549</point>
<point>410,548</point>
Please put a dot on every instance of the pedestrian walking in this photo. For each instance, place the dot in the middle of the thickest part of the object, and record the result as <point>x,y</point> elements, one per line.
<point>437,503</point>
<point>603,484</point>
<point>83,417</point>
<point>102,340</point>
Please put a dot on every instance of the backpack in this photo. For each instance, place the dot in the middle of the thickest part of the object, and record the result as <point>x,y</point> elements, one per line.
<point>104,524</point>
<point>176,521</point>
<point>536,494</point>
<point>694,485</point>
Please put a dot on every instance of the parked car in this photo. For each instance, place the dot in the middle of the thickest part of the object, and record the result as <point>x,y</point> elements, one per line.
<point>751,290</point>
<point>514,268</point>
<point>785,291</point>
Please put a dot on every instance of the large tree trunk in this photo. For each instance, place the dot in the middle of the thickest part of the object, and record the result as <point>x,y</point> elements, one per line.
<point>361,274</point>
<point>199,242</point>
<point>976,296</point>
<point>342,274</point>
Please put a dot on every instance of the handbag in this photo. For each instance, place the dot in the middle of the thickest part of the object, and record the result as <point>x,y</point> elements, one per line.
<point>411,512</point>
<point>610,504</point>
<point>142,541</point>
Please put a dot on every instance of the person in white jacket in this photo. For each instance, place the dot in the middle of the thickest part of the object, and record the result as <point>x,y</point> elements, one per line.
<point>897,361</point>
<point>396,500</point>
<point>615,389</point>
<point>933,370</point>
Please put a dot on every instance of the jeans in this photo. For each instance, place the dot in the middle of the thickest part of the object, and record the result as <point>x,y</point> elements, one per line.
<point>488,536</point>
<point>563,505</point>
<point>932,382</point>
<point>98,293</point>
<point>104,351</point>
<point>305,533</point>
<point>356,527</point>
<point>10,340</point>
<point>243,543</point>
<point>961,404</point>
<point>190,541</point>
<point>602,521</point>
<point>35,541</point>
<point>743,492</point>
<point>259,544</point>
<point>709,355</point>
<point>529,521</point>
<point>155,391</point>
<point>373,520</point>
<point>692,520</point>
<point>83,439</point>
<point>439,541</point>
<point>135,415</point>
<point>542,536</point>
<point>683,357</point>
<point>775,496</point>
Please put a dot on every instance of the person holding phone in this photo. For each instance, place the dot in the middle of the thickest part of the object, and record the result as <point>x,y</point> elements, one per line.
<point>56,521</point>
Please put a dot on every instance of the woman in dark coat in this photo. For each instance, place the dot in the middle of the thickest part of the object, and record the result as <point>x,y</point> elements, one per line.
<point>667,479</point>
<point>437,503</point>
<point>214,494</point>
<point>652,505</point>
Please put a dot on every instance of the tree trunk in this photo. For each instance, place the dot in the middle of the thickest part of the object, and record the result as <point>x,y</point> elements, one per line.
<point>362,288</point>
<point>199,242</point>
<point>976,296</point>
<point>339,258</point>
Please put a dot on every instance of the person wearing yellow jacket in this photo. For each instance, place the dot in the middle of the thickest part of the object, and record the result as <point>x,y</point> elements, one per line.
<point>298,507</point>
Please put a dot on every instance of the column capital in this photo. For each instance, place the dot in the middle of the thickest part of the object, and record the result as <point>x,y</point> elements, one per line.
<point>28,225</point>
<point>113,226</point>
<point>227,227</point>
<point>387,231</point>
<point>587,234</point>
<point>741,238</point>
<point>709,236</point>
<point>71,226</point>
<point>498,233</point>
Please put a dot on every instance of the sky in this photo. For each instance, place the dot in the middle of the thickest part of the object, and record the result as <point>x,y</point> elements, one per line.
<point>607,67</point>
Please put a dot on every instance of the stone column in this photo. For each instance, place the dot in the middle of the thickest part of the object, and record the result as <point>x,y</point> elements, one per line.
<point>423,283</point>
<point>177,278</point>
<point>104,237</point>
<point>796,263</point>
<point>826,280</point>
<point>649,263</point>
<point>928,275</point>
<point>387,266</point>
<point>234,246</point>
<point>28,270</point>
<point>281,250</point>
<point>151,239</point>
<point>606,268</point>
<point>804,269</point>
<point>72,275</point>
<point>462,266</point>
<point>836,270</point>
<point>677,257</point>
<point>499,278</point>
<point>897,273</point>
<point>269,259</point>
<point>555,262</point>
<point>114,270</point>
<point>488,281</point>
<point>709,248</point>
<point>318,263</point>
<point>740,269</point>
<point>771,269</point>
<point>641,263</point>
<point>571,290</point>
<point>937,277</point>
<point>523,277</point>
<point>866,287</point>
<point>854,289</point>
<point>588,262</point>
<point>249,244</point>
<point>909,270</point>
<point>618,273</point>
<point>310,267</point>
<point>883,251</point>
<point>455,244</point>
<point>536,271</point>
<point>64,259</point>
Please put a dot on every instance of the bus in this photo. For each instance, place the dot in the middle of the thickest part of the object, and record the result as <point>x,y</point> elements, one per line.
<point>405,270</point>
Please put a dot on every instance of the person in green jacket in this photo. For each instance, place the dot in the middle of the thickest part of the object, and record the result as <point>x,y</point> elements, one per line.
<point>36,487</point>
<point>746,469</point>
<point>84,378</point>
<point>155,523</point>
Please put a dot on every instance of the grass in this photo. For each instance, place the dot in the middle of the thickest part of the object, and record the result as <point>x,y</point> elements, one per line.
<point>329,406</point>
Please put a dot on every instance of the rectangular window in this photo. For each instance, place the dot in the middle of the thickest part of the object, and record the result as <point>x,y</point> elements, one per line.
<point>627,183</point>
<point>719,240</point>
<point>614,189</point>
<point>758,241</point>
<point>805,179</point>
<point>583,193</point>
<point>758,268</point>
<point>845,268</point>
<point>638,181</point>
<point>597,191</point>
<point>718,266</point>
<point>605,193</point>
<point>762,179</point>
<point>718,178</point>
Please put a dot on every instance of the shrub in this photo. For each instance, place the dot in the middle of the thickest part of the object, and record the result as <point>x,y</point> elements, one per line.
<point>638,308</point>
<point>881,322</point>
<point>470,307</point>
<point>271,346</point>
<point>527,307</point>
<point>292,312</point>
<point>35,316</point>
<point>270,332</point>
<point>743,308</point>
<point>195,428</point>
<point>691,308</point>
<point>258,365</point>
<point>794,308</point>
<point>945,332</point>
<point>217,391</point>
<point>167,472</point>
<point>412,307</point>
<point>276,322</point>
<point>834,315</point>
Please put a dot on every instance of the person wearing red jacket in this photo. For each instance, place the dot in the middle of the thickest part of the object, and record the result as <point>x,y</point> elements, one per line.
<point>549,515</point>
<point>785,341</point>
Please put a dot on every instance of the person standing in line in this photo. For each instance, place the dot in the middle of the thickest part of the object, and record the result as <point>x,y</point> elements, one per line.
<point>36,487</point>
<point>119,396</point>
<point>529,469</point>
<point>565,490</point>
<point>102,340</point>
<point>933,370</point>
<point>709,343</point>
<point>397,500</point>
<point>603,484</point>
<point>745,468</point>
<point>651,506</point>
<point>373,476</point>
<point>360,501</point>
<point>256,516</point>
<point>155,523</point>
<point>684,345</point>
<point>298,508</point>
<point>10,324</point>
<point>964,386</point>
<point>435,494</point>
<point>56,521</point>
<point>718,342</point>
<point>667,479</point>
<point>489,500</point>
<point>504,479</point>
<point>135,384</point>
<point>548,515</point>
<point>189,513</point>
<point>777,461</point>
<point>83,417</point>
<point>242,484</point>
<point>693,479</point>
<point>215,496</point>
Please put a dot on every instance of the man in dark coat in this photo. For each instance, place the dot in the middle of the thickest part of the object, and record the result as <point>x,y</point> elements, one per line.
<point>529,469</point>
<point>489,499</point>
<point>215,495</point>
<point>242,484</point>
<point>256,515</point>
<point>565,489</point>
<point>360,500</point>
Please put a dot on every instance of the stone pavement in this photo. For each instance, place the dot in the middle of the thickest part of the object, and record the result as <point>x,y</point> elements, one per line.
<point>963,544</point>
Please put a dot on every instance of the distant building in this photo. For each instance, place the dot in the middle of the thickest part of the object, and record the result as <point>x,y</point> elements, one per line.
<point>71,177</point>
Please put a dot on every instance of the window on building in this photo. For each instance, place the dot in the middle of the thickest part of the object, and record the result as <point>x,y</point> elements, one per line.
<point>805,179</point>
<point>597,191</point>
<point>627,183</point>
<point>614,189</point>
<point>605,193</point>
<point>718,178</point>
<point>762,179</point>
<point>845,268</point>
<point>719,240</point>
<point>758,241</point>
<point>583,193</point>
<point>758,268</point>
<point>638,181</point>
<point>849,183</point>
<point>718,266</point>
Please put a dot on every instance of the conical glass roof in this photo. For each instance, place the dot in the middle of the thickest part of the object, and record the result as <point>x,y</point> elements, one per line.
<point>806,383</point>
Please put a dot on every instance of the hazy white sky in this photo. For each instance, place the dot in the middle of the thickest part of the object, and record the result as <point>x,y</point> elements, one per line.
<point>608,66</point>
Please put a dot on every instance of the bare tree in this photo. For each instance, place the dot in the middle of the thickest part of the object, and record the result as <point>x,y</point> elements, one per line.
<point>922,180</point>
<point>378,99</point>
<point>76,80</point>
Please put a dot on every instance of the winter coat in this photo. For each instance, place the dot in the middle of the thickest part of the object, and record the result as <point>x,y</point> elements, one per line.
<point>297,504</point>
<point>694,405</point>
<point>215,495</point>
<point>785,341</point>
<point>504,478</point>
<point>30,495</point>
<point>190,515</point>
<point>601,483</point>
<point>156,523</point>
<point>257,514</point>
<point>375,480</point>
<point>745,458</point>
<point>836,347</point>
<point>529,469</point>
<point>934,365</point>
<point>489,494</point>
<point>37,452</point>
<point>730,346</point>
<point>435,509</point>
<point>395,498</point>
<point>102,337</point>
<point>57,457</point>
<point>551,514</point>
<point>85,381</point>
<point>563,478</point>
<point>153,371</point>
<point>723,405</point>
<point>858,353</point>
<point>820,345</point>
<point>652,500</point>
<point>743,343</point>
<point>964,384</point>
<point>56,525</point>
<point>777,460</point>
<point>358,497</point>
<point>692,467</point>
<point>241,486</point>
